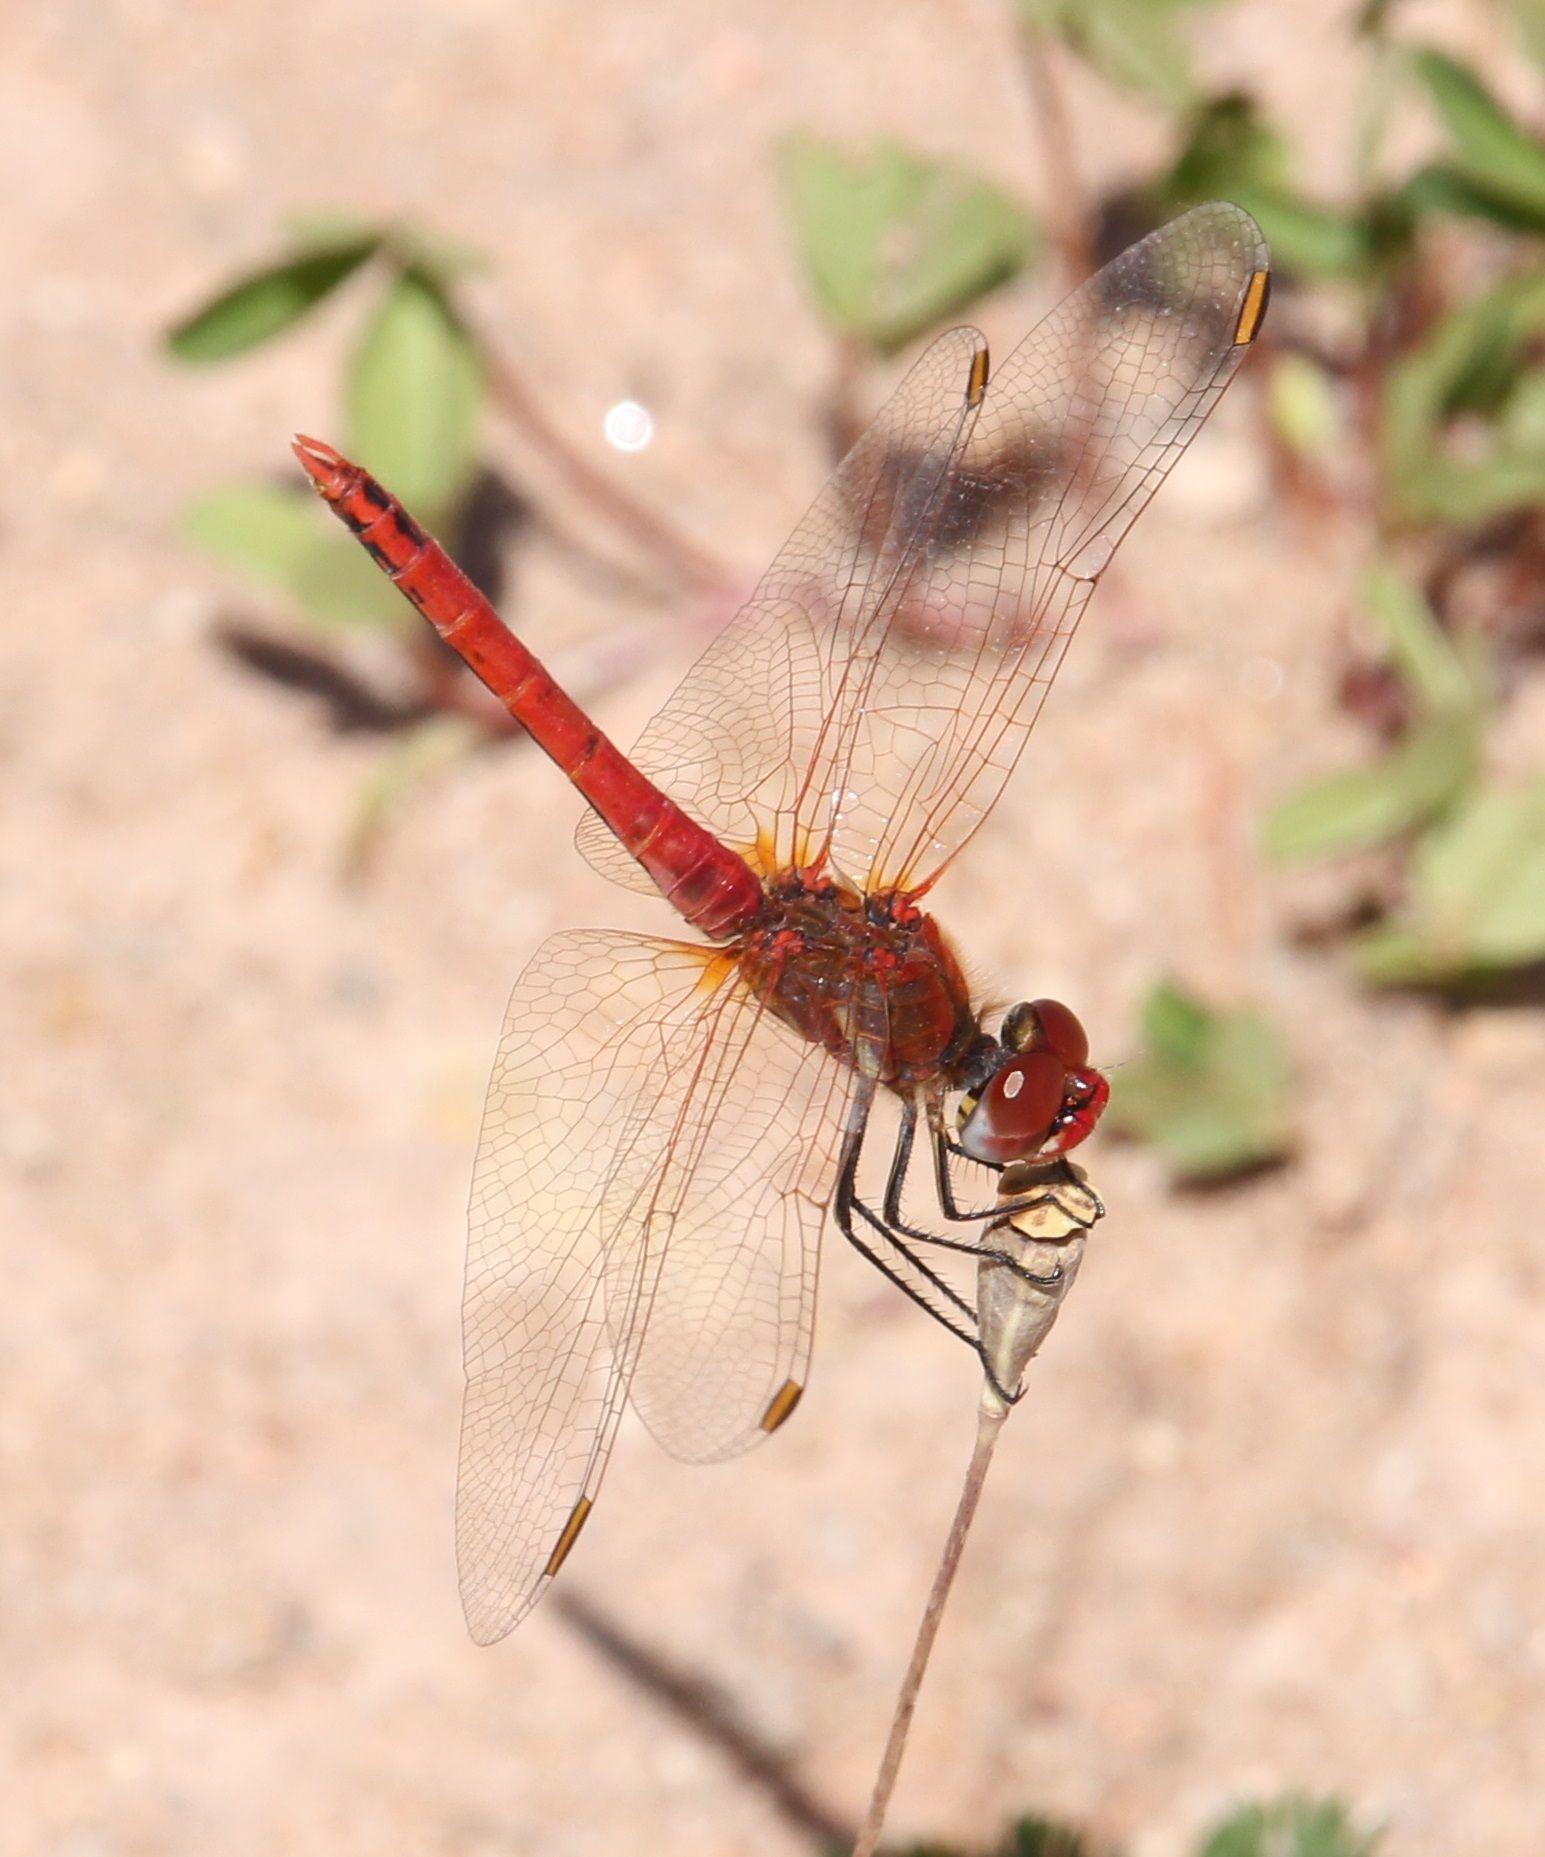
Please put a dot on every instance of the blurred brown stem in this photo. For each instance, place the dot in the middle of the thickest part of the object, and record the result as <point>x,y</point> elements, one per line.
<point>445,687</point>
<point>989,1422</point>
<point>1062,191</point>
<point>687,561</point>
<point>844,417</point>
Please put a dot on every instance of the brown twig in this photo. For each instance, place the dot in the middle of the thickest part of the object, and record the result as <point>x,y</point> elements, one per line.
<point>844,415</point>
<point>686,560</point>
<point>1024,1275</point>
<point>989,1422</point>
<point>1065,198</point>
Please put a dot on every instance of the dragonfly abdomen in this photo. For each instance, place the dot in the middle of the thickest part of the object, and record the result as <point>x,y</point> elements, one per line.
<point>711,885</point>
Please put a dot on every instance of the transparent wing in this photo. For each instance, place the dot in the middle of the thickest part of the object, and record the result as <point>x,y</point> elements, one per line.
<point>619,1127</point>
<point>727,1350</point>
<point>737,740</point>
<point>872,699</point>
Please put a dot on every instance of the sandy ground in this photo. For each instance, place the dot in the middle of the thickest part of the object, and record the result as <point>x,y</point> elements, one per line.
<point>1270,1516</point>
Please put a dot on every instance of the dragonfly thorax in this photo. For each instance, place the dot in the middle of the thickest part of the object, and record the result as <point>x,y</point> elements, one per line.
<point>870,978</point>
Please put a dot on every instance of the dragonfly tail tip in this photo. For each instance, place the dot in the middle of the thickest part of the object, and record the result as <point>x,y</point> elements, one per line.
<point>326,468</point>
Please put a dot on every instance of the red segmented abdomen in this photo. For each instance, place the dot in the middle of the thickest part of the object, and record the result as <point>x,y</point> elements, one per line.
<point>712,886</point>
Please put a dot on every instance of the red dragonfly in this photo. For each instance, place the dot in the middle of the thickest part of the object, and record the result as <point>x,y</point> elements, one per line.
<point>670,1122</point>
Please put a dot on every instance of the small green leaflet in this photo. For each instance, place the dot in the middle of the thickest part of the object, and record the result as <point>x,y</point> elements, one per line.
<point>894,242</point>
<point>1491,151</point>
<point>269,301</point>
<point>1292,1827</point>
<point>281,537</point>
<point>414,397</point>
<point>1211,1089</point>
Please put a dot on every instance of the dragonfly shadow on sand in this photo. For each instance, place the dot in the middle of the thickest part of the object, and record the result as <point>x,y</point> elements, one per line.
<point>495,518</point>
<point>702,1705</point>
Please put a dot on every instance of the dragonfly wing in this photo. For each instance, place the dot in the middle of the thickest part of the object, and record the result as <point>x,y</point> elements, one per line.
<point>743,1195</point>
<point>1076,431</point>
<point>735,743</point>
<point>872,699</point>
<point>606,1044</point>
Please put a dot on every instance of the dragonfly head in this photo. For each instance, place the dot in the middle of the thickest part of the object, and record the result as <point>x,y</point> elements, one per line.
<point>1031,1093</point>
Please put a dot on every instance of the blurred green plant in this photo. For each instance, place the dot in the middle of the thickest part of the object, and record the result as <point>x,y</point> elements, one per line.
<point>418,384</point>
<point>1211,1089</point>
<point>1138,45</point>
<point>1419,401</point>
<point>1291,1827</point>
<point>414,394</point>
<point>1294,1826</point>
<point>1428,408</point>
<point>1027,1837</point>
<point>1469,881</point>
<point>893,242</point>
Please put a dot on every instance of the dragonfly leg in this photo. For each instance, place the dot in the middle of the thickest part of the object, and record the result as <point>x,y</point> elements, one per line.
<point>943,1148</point>
<point>895,1224</point>
<point>957,1315</point>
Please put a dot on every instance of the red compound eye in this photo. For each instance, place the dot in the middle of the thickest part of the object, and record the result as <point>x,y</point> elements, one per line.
<point>1047,1025</point>
<point>1061,1031</point>
<point>1083,1104</point>
<point>1016,1108</point>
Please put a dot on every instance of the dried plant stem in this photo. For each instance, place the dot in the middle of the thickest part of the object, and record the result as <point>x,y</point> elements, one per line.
<point>687,561</point>
<point>845,419</point>
<point>1062,190</point>
<point>990,1416</point>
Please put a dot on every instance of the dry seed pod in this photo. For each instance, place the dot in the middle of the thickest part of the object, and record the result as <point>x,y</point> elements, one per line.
<point>1046,1241</point>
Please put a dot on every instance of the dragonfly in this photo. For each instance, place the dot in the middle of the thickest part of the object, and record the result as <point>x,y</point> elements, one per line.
<point>671,1122</point>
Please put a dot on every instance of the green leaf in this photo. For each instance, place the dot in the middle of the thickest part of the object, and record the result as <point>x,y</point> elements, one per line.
<point>1369,805</point>
<point>443,260</point>
<point>1477,894</point>
<point>1467,363</point>
<point>1438,187</point>
<point>258,529</point>
<point>1528,18</point>
<point>1304,408</point>
<point>1315,241</point>
<point>315,230</point>
<point>1044,1837</point>
<point>1228,144</point>
<point>414,398</point>
<point>284,540</point>
<point>1439,676</point>
<point>1175,1024</point>
<point>1432,766</point>
<point>1291,1827</point>
<point>1467,495</point>
<point>1137,45</point>
<point>1491,150</point>
<point>893,242</point>
<point>1028,1837</point>
<point>338,585</point>
<point>1231,152</point>
<point>1523,417</point>
<point>268,302</point>
<point>1210,1091</point>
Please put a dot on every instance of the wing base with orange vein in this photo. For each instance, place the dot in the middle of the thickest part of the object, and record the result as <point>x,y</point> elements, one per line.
<point>615,1126</point>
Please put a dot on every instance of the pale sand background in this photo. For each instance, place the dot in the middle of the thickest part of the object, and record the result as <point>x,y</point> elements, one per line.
<point>1271,1516</point>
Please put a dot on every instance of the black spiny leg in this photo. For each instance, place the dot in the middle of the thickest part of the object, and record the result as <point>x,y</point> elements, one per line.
<point>943,1148</point>
<point>957,1315</point>
<point>893,1222</point>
